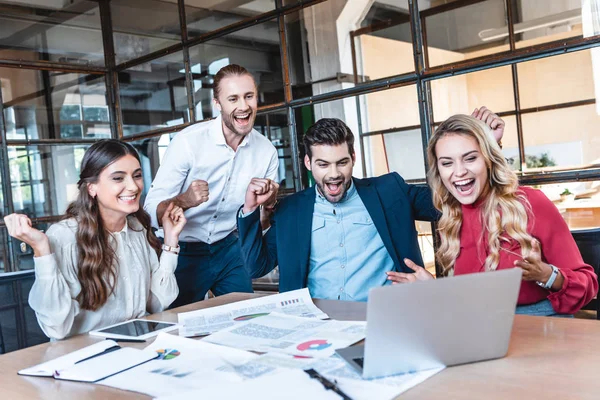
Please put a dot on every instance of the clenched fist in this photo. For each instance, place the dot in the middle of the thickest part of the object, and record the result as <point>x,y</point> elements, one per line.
<point>196,194</point>
<point>19,227</point>
<point>173,222</point>
<point>260,191</point>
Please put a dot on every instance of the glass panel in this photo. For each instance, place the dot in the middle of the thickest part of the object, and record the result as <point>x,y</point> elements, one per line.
<point>562,138</point>
<point>315,56</point>
<point>578,202</point>
<point>151,151</point>
<point>403,155</point>
<point>540,21</point>
<point>203,16</point>
<point>275,126</point>
<point>464,33</point>
<point>9,330</point>
<point>59,31</point>
<point>394,108</point>
<point>143,27</point>
<point>256,48</point>
<point>44,178</point>
<point>385,51</point>
<point>53,105</point>
<point>5,265</point>
<point>461,94</point>
<point>153,95</point>
<point>555,80</point>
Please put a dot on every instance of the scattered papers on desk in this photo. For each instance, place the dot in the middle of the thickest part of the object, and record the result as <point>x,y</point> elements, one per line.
<point>210,320</point>
<point>285,384</point>
<point>348,379</point>
<point>291,335</point>
<point>49,367</point>
<point>187,364</point>
<point>92,363</point>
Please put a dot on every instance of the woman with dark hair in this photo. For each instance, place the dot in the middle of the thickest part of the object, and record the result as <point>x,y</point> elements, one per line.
<point>100,265</point>
<point>489,222</point>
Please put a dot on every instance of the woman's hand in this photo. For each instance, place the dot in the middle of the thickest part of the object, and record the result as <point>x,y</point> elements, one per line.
<point>534,269</point>
<point>420,274</point>
<point>19,227</point>
<point>173,222</point>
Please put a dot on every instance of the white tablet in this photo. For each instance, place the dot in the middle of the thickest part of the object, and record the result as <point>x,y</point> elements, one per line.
<point>134,329</point>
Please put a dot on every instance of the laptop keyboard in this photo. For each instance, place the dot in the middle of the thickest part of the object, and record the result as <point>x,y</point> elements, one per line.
<point>359,361</point>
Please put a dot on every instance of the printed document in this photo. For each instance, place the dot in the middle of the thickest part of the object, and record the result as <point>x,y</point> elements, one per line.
<point>210,320</point>
<point>299,336</point>
<point>186,364</point>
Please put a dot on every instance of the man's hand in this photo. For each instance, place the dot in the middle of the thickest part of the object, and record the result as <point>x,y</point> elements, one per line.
<point>19,226</point>
<point>260,191</point>
<point>196,194</point>
<point>173,222</point>
<point>420,274</point>
<point>492,120</point>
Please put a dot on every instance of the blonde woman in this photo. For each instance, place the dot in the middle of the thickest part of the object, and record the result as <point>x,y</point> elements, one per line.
<point>489,222</point>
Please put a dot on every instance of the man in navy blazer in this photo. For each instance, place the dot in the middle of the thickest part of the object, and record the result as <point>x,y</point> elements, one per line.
<point>340,237</point>
<point>389,209</point>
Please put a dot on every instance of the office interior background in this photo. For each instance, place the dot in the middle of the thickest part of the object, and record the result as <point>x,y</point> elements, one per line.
<point>76,71</point>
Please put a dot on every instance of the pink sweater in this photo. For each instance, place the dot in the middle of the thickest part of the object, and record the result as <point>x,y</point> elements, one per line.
<point>558,248</point>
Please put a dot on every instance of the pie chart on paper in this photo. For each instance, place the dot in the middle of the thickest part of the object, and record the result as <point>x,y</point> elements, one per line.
<point>317,344</point>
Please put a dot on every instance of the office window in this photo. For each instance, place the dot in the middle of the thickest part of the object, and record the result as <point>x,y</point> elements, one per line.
<point>53,105</point>
<point>384,35</point>
<point>275,127</point>
<point>392,133</point>
<point>59,31</point>
<point>143,27</point>
<point>44,178</point>
<point>539,21</point>
<point>205,16</point>
<point>577,202</point>
<point>561,117</point>
<point>154,95</point>
<point>462,32</point>
<point>256,48</point>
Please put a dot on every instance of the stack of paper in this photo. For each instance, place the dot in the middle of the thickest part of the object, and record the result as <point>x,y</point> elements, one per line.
<point>210,320</point>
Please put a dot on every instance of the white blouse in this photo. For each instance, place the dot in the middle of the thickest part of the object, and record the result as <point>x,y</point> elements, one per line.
<point>143,283</point>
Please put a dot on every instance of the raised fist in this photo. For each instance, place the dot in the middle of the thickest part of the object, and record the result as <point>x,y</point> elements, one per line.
<point>260,191</point>
<point>196,194</point>
<point>19,227</point>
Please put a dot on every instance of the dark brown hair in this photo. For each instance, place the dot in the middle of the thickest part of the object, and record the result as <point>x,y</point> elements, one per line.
<point>225,72</point>
<point>96,261</point>
<point>330,132</point>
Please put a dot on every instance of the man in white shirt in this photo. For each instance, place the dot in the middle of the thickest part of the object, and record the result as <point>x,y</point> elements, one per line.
<point>206,171</point>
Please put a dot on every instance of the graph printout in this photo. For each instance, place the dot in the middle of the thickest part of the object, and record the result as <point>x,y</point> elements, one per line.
<point>308,337</point>
<point>203,322</point>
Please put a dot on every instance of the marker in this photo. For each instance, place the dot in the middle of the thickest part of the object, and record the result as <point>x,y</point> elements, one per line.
<point>128,340</point>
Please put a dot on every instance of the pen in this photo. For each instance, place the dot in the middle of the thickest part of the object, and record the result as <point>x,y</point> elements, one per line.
<point>327,384</point>
<point>109,350</point>
<point>129,340</point>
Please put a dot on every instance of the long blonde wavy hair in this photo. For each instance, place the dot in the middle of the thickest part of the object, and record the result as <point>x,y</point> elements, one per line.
<point>504,211</point>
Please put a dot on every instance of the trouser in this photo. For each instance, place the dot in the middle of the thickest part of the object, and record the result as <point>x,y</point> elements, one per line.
<point>542,309</point>
<point>216,266</point>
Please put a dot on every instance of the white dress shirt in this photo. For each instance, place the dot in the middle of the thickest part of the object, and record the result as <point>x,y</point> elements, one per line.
<point>200,152</point>
<point>143,283</point>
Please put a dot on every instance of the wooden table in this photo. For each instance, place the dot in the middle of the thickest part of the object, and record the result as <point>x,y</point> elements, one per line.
<point>549,358</point>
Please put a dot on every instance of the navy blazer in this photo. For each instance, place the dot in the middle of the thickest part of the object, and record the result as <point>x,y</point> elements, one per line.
<point>392,204</point>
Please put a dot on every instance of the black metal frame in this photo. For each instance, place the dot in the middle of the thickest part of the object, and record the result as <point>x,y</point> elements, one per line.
<point>421,78</point>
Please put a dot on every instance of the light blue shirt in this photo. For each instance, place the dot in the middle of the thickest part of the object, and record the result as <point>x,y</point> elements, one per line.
<point>347,255</point>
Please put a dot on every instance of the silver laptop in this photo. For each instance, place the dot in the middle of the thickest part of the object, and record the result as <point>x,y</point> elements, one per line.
<point>442,322</point>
